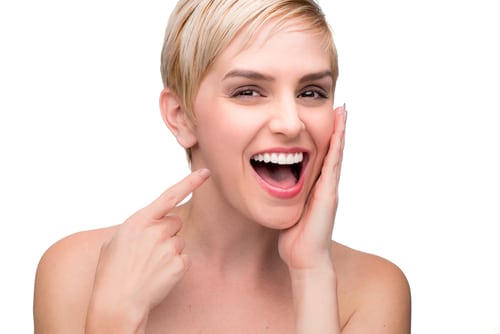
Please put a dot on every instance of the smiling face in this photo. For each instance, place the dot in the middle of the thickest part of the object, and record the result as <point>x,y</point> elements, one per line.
<point>264,119</point>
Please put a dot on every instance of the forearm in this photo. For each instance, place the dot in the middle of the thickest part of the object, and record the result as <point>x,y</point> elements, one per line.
<point>315,301</point>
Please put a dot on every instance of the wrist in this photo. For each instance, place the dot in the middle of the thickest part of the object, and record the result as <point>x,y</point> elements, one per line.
<point>115,318</point>
<point>316,277</point>
<point>321,269</point>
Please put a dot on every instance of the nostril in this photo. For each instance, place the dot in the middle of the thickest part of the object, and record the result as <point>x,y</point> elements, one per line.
<point>290,125</point>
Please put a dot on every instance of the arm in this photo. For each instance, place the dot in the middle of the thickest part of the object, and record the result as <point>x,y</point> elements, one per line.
<point>64,286</point>
<point>315,301</point>
<point>130,271</point>
<point>141,264</point>
<point>306,246</point>
<point>378,292</point>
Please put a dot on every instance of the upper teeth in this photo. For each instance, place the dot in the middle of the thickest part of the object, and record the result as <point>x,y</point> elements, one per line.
<point>280,158</point>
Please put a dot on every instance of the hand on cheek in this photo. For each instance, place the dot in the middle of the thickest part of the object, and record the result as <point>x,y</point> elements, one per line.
<point>307,244</point>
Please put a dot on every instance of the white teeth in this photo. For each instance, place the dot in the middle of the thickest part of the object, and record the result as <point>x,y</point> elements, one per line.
<point>280,158</point>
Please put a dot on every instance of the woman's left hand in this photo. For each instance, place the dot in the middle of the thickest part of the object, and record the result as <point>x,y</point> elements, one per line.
<point>307,244</point>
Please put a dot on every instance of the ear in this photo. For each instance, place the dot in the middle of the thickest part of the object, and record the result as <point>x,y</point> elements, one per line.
<point>176,119</point>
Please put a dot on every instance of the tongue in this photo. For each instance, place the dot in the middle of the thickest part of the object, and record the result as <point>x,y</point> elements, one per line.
<point>276,175</point>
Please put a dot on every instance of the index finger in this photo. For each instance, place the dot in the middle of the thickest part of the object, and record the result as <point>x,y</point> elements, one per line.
<point>160,207</point>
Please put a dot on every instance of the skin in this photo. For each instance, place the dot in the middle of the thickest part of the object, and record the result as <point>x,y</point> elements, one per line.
<point>234,258</point>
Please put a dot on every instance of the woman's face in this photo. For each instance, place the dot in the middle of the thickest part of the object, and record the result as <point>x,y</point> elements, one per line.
<point>264,118</point>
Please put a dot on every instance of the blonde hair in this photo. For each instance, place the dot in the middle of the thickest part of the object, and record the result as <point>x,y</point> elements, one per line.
<point>199,30</point>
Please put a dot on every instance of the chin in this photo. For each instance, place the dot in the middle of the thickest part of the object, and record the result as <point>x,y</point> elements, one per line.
<point>280,219</point>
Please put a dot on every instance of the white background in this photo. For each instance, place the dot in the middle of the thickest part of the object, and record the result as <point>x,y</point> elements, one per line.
<point>82,143</point>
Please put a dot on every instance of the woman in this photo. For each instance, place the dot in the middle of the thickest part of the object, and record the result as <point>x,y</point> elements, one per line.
<point>249,89</point>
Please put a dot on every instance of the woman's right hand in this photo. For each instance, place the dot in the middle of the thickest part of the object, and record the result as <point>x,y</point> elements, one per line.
<point>140,264</point>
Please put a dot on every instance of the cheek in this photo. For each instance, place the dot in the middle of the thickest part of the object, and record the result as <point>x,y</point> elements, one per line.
<point>222,139</point>
<point>223,132</point>
<point>228,125</point>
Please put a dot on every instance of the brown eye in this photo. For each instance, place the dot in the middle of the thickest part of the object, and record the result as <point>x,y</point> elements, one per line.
<point>313,94</point>
<point>247,92</point>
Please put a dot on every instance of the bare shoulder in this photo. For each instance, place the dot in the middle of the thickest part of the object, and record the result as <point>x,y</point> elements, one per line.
<point>374,294</point>
<point>64,281</point>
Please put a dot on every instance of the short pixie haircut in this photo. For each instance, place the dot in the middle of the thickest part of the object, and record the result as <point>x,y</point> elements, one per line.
<point>199,30</point>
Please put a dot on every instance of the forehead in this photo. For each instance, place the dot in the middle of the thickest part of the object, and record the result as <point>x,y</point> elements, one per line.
<point>276,45</point>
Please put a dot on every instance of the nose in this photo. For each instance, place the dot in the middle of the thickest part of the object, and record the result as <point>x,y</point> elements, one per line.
<point>285,119</point>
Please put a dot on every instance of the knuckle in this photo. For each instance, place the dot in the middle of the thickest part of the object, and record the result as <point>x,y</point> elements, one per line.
<point>177,244</point>
<point>177,265</point>
<point>167,229</point>
<point>173,247</point>
<point>174,224</point>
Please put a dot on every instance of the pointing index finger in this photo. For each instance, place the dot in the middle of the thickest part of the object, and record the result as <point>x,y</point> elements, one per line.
<point>175,194</point>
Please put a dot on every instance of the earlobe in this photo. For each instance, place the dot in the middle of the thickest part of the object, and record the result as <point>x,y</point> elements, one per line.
<point>176,119</point>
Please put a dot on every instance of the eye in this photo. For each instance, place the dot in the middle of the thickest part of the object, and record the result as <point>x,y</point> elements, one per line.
<point>313,93</point>
<point>246,92</point>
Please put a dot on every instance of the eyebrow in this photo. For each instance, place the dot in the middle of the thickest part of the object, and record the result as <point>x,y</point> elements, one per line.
<point>316,76</point>
<point>248,74</point>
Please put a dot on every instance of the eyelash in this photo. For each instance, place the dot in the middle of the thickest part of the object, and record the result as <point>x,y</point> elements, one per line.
<point>244,92</point>
<point>248,92</point>
<point>317,93</point>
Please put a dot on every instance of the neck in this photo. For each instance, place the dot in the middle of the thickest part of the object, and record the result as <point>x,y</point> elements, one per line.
<point>227,243</point>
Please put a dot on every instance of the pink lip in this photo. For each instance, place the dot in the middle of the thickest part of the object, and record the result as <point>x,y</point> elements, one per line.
<point>285,193</point>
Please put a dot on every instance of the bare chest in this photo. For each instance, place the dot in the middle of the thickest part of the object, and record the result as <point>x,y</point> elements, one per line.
<point>222,311</point>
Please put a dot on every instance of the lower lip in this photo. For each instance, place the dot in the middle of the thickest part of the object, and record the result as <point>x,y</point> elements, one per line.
<point>283,193</point>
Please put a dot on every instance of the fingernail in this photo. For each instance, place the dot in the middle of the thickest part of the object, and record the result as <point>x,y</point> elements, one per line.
<point>203,172</point>
<point>345,108</point>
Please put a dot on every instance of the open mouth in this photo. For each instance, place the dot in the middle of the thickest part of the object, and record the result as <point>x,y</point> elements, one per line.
<point>282,170</point>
